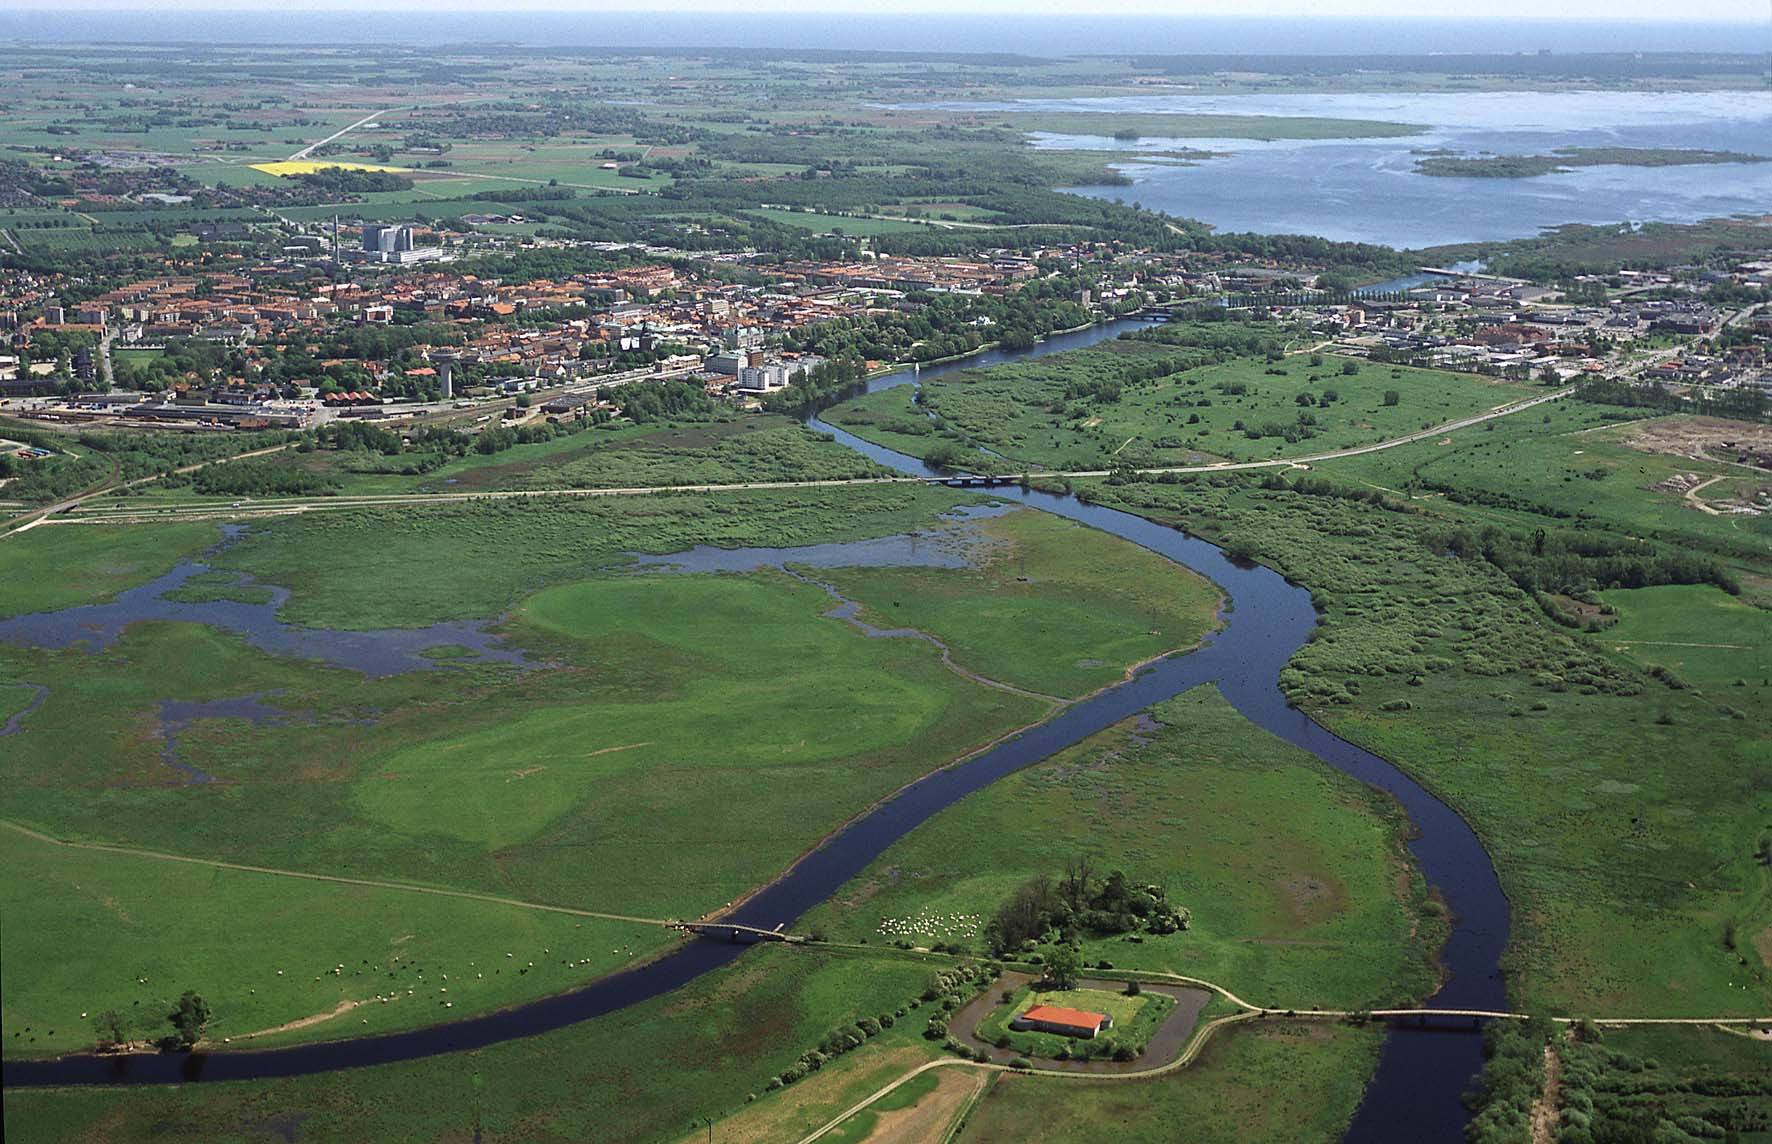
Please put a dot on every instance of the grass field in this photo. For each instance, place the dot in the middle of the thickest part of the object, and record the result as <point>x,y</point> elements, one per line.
<point>761,447</point>
<point>792,1112</point>
<point>1274,1082</point>
<point>1244,409</point>
<point>605,785</point>
<point>655,1072</point>
<point>841,224</point>
<point>1706,637</point>
<point>1539,735</point>
<point>606,781</point>
<point>50,568</point>
<point>1048,589</point>
<point>1565,465</point>
<point>90,931</point>
<point>1315,908</point>
<point>497,552</point>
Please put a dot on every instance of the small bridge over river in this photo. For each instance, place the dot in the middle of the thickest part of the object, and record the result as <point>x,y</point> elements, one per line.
<point>965,481</point>
<point>738,933</point>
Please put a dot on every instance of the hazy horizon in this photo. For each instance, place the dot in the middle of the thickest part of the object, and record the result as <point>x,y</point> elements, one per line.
<point>1121,30</point>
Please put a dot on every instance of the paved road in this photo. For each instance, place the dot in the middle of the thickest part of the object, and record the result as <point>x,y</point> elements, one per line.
<point>32,519</point>
<point>366,120</point>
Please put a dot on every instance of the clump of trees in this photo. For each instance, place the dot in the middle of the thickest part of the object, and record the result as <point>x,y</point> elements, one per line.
<point>189,1018</point>
<point>259,478</point>
<point>1571,563</point>
<point>1081,903</point>
<point>665,401</point>
<point>1510,1081</point>
<point>351,181</point>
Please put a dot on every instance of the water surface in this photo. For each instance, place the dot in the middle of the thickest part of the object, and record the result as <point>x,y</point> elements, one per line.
<point>1366,190</point>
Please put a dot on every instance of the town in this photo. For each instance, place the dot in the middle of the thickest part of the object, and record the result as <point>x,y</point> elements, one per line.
<point>566,344</point>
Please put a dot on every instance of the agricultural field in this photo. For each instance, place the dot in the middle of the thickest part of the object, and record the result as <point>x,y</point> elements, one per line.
<point>310,166</point>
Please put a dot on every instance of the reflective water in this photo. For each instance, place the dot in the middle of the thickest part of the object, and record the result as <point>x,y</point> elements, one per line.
<point>1366,190</point>
<point>374,652</point>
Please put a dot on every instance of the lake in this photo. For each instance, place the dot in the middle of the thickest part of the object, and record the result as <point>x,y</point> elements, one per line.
<point>1366,190</point>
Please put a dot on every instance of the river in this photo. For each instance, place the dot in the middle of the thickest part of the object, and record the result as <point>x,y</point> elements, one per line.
<point>1413,1096</point>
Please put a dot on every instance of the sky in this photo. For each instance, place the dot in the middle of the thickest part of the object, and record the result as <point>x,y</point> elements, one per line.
<point>1694,11</point>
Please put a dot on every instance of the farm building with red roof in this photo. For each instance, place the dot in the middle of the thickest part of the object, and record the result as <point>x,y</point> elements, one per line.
<point>1066,1022</point>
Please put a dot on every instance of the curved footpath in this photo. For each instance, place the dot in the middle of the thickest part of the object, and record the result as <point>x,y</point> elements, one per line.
<point>1417,1085</point>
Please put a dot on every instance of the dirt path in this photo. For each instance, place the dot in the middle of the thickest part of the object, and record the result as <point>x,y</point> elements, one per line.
<point>157,856</point>
<point>1546,1109</point>
<point>1698,502</point>
<point>33,519</point>
<point>933,1116</point>
<point>273,508</point>
<point>340,1010</point>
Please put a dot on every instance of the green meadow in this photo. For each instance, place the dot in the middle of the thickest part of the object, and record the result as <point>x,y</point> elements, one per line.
<point>1042,588</point>
<point>1317,908</point>
<point>657,1071</point>
<point>842,224</point>
<point>58,567</point>
<point>683,738</point>
<point>1278,1081</point>
<point>1094,409</point>
<point>93,931</point>
<point>1566,466</point>
<point>1536,732</point>
<point>1709,639</point>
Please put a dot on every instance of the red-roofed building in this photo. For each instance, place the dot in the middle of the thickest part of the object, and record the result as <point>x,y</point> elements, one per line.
<point>1065,1022</point>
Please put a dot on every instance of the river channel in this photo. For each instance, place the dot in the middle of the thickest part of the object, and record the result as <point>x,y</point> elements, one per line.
<point>1422,1071</point>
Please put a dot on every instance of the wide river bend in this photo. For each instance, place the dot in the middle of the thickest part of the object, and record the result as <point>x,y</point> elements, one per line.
<point>1422,1072</point>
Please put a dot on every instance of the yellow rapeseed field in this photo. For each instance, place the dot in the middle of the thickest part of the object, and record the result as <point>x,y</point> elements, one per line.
<point>308,167</point>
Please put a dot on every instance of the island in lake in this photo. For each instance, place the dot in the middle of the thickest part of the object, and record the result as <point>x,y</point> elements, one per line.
<point>1566,159</point>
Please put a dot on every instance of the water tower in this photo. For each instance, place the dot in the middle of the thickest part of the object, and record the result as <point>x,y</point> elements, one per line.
<point>445,361</point>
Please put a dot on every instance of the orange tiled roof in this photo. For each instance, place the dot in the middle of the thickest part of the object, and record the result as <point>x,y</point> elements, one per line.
<point>1058,1015</point>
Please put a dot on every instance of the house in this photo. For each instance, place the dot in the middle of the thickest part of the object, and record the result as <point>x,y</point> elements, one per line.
<point>1065,1022</point>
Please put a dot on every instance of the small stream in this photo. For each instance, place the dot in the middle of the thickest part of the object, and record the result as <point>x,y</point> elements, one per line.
<point>1422,1072</point>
